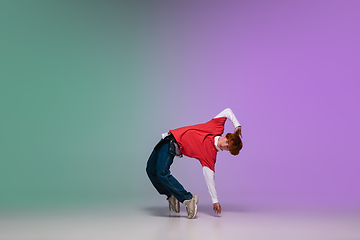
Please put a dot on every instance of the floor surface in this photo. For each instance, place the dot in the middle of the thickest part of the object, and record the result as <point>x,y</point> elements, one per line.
<point>156,222</point>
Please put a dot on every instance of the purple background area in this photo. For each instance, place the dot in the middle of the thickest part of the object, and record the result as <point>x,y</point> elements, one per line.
<point>289,71</point>
<point>89,86</point>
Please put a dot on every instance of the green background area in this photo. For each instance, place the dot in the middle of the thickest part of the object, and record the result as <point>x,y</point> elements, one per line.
<point>73,102</point>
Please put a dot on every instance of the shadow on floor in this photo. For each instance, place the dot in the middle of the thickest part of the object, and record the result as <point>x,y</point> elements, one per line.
<point>163,211</point>
<point>208,209</point>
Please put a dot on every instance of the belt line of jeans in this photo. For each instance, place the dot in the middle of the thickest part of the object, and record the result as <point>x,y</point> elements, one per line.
<point>174,147</point>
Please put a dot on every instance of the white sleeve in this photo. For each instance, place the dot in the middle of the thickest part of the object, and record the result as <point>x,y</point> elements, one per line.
<point>210,182</point>
<point>228,113</point>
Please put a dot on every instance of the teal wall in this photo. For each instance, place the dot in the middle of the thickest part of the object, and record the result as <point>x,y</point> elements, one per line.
<point>75,102</point>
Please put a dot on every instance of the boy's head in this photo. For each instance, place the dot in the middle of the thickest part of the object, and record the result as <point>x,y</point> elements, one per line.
<point>234,143</point>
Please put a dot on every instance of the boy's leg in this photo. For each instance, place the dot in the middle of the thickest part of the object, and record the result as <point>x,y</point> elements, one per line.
<point>151,172</point>
<point>164,161</point>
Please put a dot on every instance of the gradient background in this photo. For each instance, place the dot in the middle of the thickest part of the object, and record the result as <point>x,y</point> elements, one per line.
<point>87,87</point>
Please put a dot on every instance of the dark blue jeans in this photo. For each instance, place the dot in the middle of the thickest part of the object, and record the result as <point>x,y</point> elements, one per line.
<point>158,170</point>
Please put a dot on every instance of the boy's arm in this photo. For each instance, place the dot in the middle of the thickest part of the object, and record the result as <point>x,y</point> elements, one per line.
<point>228,113</point>
<point>210,182</point>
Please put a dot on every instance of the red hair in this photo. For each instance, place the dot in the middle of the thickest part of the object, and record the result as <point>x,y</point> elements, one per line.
<point>235,143</point>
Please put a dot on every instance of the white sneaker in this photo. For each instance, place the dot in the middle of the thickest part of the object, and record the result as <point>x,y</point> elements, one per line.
<point>191,206</point>
<point>174,204</point>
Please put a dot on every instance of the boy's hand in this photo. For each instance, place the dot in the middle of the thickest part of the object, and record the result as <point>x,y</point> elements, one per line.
<point>217,208</point>
<point>238,131</point>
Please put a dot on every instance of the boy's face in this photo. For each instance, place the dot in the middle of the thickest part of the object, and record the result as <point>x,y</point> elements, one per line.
<point>223,143</point>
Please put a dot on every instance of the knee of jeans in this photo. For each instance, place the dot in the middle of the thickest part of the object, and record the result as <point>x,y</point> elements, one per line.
<point>150,171</point>
<point>162,173</point>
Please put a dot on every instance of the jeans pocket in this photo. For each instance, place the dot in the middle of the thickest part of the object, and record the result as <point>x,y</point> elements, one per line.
<point>172,149</point>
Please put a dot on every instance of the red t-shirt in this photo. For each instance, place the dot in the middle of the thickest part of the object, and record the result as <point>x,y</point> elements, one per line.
<point>197,141</point>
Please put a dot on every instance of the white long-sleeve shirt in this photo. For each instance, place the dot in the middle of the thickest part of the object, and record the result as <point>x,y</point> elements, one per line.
<point>208,173</point>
